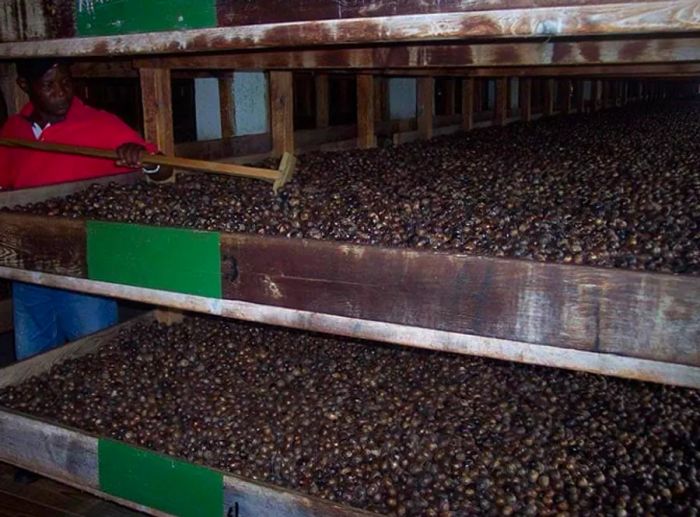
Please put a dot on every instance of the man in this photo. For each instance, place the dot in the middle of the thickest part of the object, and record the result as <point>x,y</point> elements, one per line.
<point>43,317</point>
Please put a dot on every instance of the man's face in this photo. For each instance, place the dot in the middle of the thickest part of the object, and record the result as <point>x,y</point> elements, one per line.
<point>52,93</point>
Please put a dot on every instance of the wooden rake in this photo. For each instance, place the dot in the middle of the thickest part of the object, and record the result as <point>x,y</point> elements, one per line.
<point>278,177</point>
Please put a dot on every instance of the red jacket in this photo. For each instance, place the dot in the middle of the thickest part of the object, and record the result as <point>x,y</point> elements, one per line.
<point>83,125</point>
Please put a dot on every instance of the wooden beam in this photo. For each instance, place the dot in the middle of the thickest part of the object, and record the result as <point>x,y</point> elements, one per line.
<point>381,99</point>
<point>580,98</point>
<point>581,360</point>
<point>366,137</point>
<point>625,18</point>
<point>526,99</point>
<point>322,100</point>
<point>439,55</point>
<point>425,98</point>
<point>282,112</point>
<point>156,98</point>
<point>595,94</point>
<point>227,107</point>
<point>450,96</point>
<point>467,103</point>
<point>14,96</point>
<point>502,99</point>
<point>567,95</point>
<point>549,99</point>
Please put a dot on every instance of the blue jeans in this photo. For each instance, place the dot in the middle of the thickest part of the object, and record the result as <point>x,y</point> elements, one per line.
<point>45,318</point>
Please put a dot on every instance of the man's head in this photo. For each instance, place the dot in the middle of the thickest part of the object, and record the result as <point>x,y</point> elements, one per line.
<point>49,85</point>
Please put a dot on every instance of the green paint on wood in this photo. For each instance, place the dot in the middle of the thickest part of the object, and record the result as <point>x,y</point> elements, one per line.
<point>184,261</point>
<point>110,17</point>
<point>158,481</point>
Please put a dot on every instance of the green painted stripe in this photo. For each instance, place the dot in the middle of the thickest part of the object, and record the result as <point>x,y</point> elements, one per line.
<point>110,17</point>
<point>185,261</point>
<point>158,481</point>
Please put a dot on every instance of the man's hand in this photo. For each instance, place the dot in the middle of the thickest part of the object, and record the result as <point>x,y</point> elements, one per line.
<point>130,155</point>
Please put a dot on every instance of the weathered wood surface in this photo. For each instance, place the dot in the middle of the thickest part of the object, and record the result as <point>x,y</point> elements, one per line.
<point>39,364</point>
<point>12,198</point>
<point>546,53</point>
<point>322,91</point>
<point>425,108</point>
<point>281,112</point>
<point>594,362</point>
<point>248,498</point>
<point>34,243</point>
<point>227,106</point>
<point>156,98</point>
<point>51,450</point>
<point>629,18</point>
<point>366,137</point>
<point>644,315</point>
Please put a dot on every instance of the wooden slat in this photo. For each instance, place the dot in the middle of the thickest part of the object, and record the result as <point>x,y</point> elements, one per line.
<point>525,92</point>
<point>595,94</point>
<point>226,107</point>
<point>425,98</point>
<point>366,137</point>
<point>622,52</point>
<point>14,97</point>
<point>580,97</point>
<point>282,112</point>
<point>549,99</point>
<point>51,450</point>
<point>322,100</point>
<point>467,103</point>
<point>263,499</point>
<point>545,355</point>
<point>156,97</point>
<point>668,16</point>
<point>28,242</point>
<point>569,306</point>
<point>502,100</point>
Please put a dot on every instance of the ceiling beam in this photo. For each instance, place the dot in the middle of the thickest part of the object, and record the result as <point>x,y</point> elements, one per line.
<point>591,19</point>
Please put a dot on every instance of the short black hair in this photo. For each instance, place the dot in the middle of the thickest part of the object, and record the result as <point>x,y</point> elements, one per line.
<point>33,69</point>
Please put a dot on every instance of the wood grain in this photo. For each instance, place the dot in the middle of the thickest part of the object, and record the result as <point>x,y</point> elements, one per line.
<point>322,100</point>
<point>593,19</point>
<point>282,112</point>
<point>156,98</point>
<point>28,242</point>
<point>644,315</point>
<point>366,137</point>
<point>226,107</point>
<point>425,98</point>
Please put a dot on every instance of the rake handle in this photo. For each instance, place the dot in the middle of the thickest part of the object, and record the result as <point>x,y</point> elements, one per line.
<point>151,159</point>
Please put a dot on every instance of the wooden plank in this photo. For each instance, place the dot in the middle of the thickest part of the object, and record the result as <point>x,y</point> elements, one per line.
<point>525,92</point>
<point>322,100</point>
<point>549,100</point>
<point>580,97</point>
<point>156,97</point>
<point>622,52</point>
<point>409,335</point>
<point>366,137</point>
<point>467,103</point>
<point>226,107</point>
<point>248,498</point>
<point>667,16</point>
<point>282,112</point>
<point>28,242</point>
<point>425,98</point>
<point>560,305</point>
<point>48,449</point>
<point>39,364</point>
<point>6,322</point>
<point>14,96</point>
<point>502,99</point>
<point>12,198</point>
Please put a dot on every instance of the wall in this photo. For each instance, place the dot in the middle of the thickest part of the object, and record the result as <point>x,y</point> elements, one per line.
<point>402,98</point>
<point>206,98</point>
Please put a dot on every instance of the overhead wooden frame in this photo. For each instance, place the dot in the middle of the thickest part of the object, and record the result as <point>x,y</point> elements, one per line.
<point>624,18</point>
<point>518,53</point>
